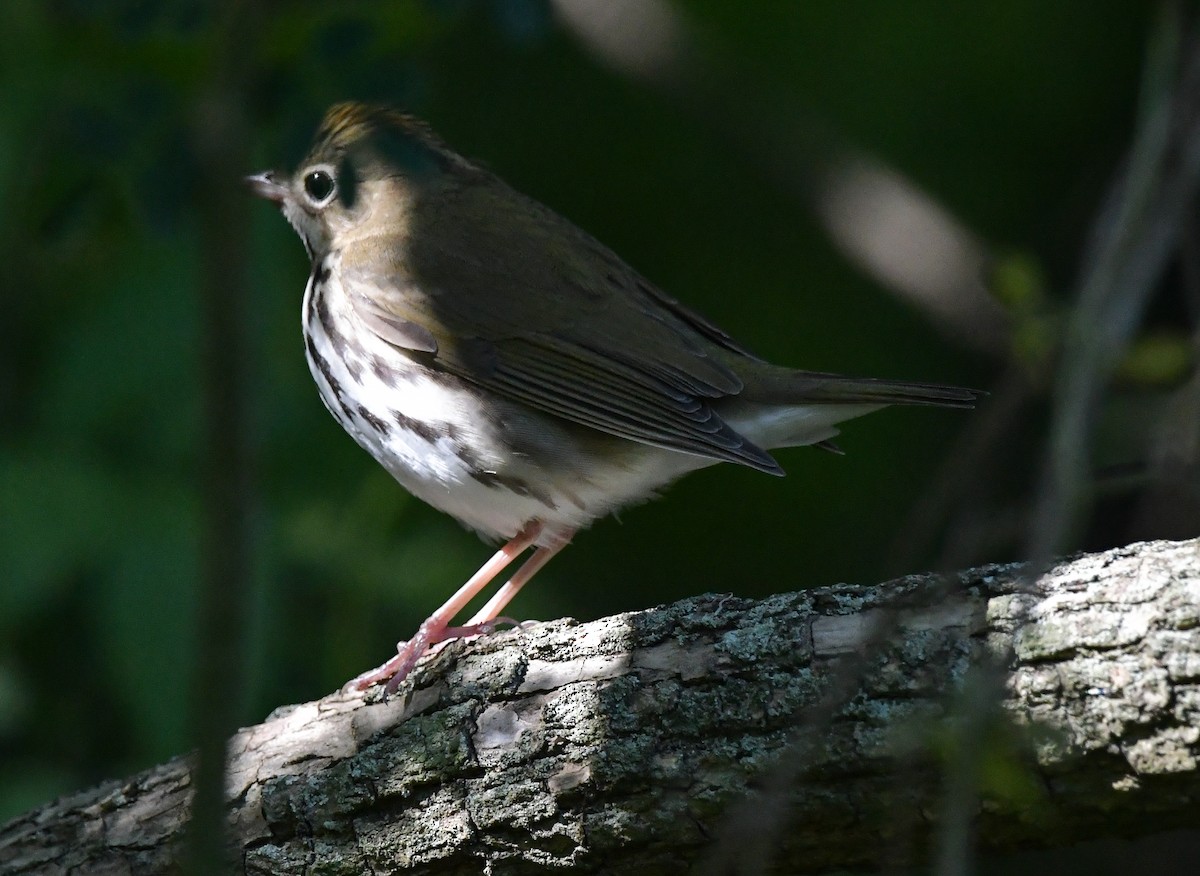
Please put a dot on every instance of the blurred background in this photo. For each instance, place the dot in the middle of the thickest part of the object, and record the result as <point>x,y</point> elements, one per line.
<point>994,195</point>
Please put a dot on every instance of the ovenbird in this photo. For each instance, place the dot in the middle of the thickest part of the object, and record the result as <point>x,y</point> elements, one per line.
<point>507,368</point>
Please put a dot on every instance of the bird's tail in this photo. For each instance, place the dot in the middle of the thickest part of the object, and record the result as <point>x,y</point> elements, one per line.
<point>789,386</point>
<point>781,407</point>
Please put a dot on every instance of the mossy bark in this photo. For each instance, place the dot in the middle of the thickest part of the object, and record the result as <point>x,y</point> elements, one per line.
<point>817,730</point>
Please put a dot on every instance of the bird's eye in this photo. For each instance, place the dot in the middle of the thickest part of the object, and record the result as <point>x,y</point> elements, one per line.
<point>318,185</point>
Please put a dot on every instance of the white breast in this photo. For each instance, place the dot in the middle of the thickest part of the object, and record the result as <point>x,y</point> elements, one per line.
<point>431,432</point>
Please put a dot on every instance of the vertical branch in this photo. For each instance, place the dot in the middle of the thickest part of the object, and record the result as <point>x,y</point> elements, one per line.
<point>221,135</point>
<point>1135,236</point>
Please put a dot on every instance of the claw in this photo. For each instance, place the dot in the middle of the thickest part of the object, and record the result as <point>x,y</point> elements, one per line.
<point>409,654</point>
<point>436,629</point>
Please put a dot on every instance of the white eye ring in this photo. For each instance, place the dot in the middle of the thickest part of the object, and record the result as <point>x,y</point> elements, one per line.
<point>319,186</point>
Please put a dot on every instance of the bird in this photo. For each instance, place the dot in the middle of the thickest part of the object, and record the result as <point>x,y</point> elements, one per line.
<point>510,370</point>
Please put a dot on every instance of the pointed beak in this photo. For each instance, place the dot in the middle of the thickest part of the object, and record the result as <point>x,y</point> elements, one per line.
<point>265,185</point>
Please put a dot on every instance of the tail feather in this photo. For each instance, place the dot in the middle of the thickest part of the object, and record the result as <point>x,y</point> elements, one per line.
<point>785,386</point>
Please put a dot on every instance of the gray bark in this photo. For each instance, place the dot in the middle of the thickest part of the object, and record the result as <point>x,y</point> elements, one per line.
<point>817,730</point>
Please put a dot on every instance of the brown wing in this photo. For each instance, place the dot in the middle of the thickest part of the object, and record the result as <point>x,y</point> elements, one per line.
<point>528,306</point>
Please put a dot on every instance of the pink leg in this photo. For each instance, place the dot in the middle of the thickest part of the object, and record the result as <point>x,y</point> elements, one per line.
<point>488,618</point>
<point>433,629</point>
<point>505,594</point>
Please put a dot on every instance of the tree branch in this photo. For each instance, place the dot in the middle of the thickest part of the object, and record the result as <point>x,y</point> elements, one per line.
<point>618,746</point>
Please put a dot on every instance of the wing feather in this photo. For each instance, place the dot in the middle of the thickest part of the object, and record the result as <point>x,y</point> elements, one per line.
<point>530,307</point>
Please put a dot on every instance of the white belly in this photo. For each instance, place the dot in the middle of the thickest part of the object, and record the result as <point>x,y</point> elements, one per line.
<point>429,430</point>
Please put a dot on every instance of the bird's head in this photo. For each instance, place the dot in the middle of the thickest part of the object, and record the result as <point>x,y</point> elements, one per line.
<point>365,170</point>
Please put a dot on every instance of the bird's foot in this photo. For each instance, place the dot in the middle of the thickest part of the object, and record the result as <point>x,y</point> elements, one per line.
<point>409,653</point>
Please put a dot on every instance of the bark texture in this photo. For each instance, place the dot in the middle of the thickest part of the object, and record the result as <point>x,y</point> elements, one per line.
<point>631,744</point>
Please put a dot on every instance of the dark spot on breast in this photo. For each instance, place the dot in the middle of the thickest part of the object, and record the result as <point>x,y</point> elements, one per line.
<point>326,319</point>
<point>326,372</point>
<point>468,457</point>
<point>387,375</point>
<point>322,272</point>
<point>427,431</point>
<point>334,385</point>
<point>379,425</point>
